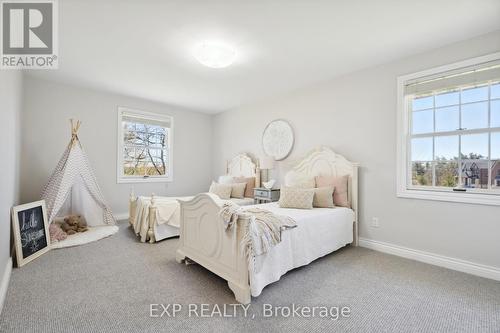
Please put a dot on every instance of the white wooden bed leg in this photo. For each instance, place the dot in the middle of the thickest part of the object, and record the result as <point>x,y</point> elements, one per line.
<point>152,219</point>
<point>355,231</point>
<point>132,203</point>
<point>242,294</point>
<point>354,203</point>
<point>180,257</point>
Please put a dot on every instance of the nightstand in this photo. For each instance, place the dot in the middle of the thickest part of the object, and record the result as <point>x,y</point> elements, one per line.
<point>263,195</point>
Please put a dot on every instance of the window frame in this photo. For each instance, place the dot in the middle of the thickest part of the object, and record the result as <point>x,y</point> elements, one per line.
<point>404,122</point>
<point>121,178</point>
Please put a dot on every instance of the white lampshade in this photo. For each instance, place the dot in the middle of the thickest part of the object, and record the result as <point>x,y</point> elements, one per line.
<point>266,163</point>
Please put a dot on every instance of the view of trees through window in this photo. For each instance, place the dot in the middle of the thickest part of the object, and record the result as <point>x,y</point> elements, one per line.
<point>455,138</point>
<point>145,150</point>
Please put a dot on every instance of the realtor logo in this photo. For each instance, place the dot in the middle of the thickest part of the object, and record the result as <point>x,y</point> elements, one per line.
<point>29,34</point>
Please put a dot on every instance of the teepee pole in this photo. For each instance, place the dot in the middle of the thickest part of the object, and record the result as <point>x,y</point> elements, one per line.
<point>74,131</point>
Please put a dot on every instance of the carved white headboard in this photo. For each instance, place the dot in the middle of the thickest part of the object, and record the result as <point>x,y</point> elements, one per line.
<point>325,162</point>
<point>241,166</point>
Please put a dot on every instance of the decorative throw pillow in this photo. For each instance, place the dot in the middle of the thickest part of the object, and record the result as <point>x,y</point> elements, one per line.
<point>238,190</point>
<point>221,190</point>
<point>323,197</point>
<point>250,181</point>
<point>298,180</point>
<point>296,198</point>
<point>340,197</point>
<point>225,179</point>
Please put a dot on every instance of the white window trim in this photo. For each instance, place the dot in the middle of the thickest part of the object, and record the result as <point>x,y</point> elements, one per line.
<point>120,177</point>
<point>403,130</point>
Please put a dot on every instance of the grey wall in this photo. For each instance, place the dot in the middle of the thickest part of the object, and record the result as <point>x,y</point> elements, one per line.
<point>356,116</point>
<point>10,111</point>
<point>46,132</point>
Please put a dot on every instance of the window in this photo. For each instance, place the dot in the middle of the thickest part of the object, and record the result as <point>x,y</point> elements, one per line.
<point>449,132</point>
<point>144,146</point>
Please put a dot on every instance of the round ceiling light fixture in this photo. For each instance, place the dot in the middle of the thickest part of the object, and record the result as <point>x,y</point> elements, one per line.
<point>215,54</point>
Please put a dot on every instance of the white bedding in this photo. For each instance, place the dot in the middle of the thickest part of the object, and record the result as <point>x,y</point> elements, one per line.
<point>167,213</point>
<point>320,231</point>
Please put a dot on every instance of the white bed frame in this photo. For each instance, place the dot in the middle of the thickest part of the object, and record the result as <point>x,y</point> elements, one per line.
<point>204,239</point>
<point>239,166</point>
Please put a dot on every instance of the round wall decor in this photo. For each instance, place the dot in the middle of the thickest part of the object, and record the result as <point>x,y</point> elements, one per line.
<point>277,139</point>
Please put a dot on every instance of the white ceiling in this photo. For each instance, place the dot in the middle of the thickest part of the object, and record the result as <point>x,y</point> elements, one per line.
<point>144,48</point>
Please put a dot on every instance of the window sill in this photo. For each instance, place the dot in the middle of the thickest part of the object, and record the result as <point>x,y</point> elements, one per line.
<point>449,196</point>
<point>144,180</point>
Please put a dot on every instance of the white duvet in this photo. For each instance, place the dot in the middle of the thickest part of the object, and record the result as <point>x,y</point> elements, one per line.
<point>320,231</point>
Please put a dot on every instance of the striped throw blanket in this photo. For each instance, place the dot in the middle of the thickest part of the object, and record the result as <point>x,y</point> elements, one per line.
<point>262,232</point>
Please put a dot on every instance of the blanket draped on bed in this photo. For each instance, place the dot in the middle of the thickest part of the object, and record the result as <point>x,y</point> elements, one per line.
<point>263,230</point>
<point>167,212</point>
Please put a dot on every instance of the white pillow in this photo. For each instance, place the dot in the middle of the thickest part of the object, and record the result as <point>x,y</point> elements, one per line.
<point>298,180</point>
<point>221,190</point>
<point>296,198</point>
<point>225,179</point>
<point>238,190</point>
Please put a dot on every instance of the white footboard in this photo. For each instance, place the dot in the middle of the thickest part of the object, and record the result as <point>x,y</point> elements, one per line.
<point>204,240</point>
<point>132,208</point>
<point>152,220</point>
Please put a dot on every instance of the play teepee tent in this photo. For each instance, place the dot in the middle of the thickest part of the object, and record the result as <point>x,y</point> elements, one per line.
<point>73,188</point>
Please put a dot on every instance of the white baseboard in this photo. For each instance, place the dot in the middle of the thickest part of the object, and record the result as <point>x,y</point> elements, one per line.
<point>4,284</point>
<point>121,216</point>
<point>489,272</point>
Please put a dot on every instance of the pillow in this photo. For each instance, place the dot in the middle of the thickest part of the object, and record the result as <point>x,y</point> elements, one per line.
<point>298,180</point>
<point>222,190</point>
<point>296,198</point>
<point>323,197</point>
<point>250,181</point>
<point>238,190</point>
<point>340,197</point>
<point>226,179</point>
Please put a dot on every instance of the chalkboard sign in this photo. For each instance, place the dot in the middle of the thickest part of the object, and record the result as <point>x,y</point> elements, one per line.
<point>31,231</point>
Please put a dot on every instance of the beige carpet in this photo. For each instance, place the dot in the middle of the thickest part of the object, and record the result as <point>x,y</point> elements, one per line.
<point>108,286</point>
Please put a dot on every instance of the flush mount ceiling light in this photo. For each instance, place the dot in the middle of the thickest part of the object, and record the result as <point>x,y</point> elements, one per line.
<point>215,54</point>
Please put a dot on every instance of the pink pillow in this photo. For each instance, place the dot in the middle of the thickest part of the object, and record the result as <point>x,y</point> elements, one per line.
<point>340,197</point>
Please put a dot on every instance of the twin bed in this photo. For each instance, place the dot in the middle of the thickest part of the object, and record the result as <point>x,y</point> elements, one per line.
<point>205,240</point>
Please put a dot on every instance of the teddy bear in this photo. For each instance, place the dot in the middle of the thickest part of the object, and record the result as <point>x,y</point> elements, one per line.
<point>73,224</point>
